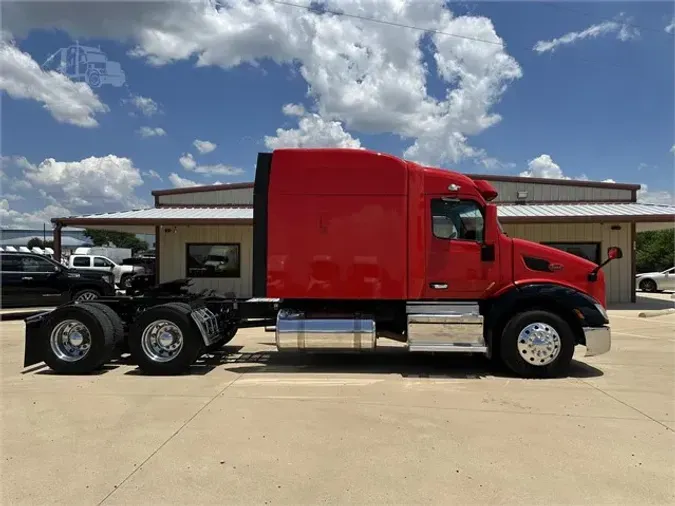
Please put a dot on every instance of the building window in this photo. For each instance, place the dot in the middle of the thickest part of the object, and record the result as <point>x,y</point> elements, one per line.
<point>457,219</point>
<point>588,250</point>
<point>204,260</point>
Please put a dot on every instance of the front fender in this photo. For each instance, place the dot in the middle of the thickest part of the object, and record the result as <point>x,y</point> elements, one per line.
<point>551,295</point>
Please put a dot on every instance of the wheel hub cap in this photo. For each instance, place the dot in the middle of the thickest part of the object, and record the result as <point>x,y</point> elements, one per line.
<point>76,339</point>
<point>539,344</point>
<point>70,340</point>
<point>161,341</point>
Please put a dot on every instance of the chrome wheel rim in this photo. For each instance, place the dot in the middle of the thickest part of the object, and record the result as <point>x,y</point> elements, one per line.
<point>539,344</point>
<point>162,341</point>
<point>70,340</point>
<point>84,296</point>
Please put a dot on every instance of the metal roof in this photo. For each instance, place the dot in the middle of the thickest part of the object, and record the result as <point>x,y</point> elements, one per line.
<point>507,213</point>
<point>167,215</point>
<point>631,211</point>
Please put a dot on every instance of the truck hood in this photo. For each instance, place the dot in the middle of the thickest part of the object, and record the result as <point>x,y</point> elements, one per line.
<point>536,263</point>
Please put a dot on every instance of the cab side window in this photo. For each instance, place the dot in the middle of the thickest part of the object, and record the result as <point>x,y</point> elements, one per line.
<point>101,262</point>
<point>36,264</point>
<point>81,262</point>
<point>11,263</point>
<point>457,219</point>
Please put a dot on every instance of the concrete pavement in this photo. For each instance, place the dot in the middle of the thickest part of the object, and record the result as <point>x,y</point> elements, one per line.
<point>256,427</point>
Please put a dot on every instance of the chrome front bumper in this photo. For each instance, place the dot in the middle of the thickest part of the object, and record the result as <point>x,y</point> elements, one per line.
<point>598,340</point>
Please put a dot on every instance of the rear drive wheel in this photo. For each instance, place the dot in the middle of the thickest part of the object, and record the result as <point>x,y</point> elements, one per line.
<point>115,320</point>
<point>648,285</point>
<point>86,295</point>
<point>537,344</point>
<point>79,339</point>
<point>165,340</point>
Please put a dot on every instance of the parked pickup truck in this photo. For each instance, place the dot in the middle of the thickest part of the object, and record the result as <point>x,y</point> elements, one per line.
<point>29,279</point>
<point>122,273</point>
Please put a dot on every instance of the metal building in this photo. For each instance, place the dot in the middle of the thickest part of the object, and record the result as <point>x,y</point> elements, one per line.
<point>581,217</point>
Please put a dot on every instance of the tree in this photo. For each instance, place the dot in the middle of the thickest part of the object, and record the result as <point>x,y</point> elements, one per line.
<point>655,250</point>
<point>118,239</point>
<point>37,242</point>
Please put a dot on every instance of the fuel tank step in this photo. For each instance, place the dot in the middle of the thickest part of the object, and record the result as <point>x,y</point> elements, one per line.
<point>445,327</point>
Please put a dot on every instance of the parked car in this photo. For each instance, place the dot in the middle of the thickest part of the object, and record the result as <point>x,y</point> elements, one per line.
<point>657,281</point>
<point>29,279</point>
<point>122,273</point>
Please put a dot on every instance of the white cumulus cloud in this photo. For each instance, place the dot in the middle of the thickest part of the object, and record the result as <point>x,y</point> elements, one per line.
<point>146,131</point>
<point>181,182</point>
<point>370,77</point>
<point>153,174</point>
<point>95,183</point>
<point>544,167</point>
<point>646,196</point>
<point>67,101</point>
<point>622,28</point>
<point>671,27</point>
<point>11,218</point>
<point>312,132</point>
<point>188,162</point>
<point>145,105</point>
<point>204,146</point>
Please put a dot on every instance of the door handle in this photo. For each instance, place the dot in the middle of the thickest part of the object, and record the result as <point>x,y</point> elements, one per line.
<point>26,278</point>
<point>439,286</point>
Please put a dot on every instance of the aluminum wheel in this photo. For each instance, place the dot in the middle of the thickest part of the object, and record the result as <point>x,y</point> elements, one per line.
<point>86,295</point>
<point>539,344</point>
<point>161,341</point>
<point>70,340</point>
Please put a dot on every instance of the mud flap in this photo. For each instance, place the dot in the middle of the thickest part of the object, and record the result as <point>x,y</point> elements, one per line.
<point>33,352</point>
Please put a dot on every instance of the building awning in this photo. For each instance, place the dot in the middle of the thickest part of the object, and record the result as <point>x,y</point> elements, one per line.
<point>144,220</point>
<point>569,213</point>
<point>243,215</point>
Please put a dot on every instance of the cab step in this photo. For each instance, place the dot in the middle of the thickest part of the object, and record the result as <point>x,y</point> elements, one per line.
<point>445,327</point>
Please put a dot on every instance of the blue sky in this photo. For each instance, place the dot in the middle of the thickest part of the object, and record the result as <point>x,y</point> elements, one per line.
<point>599,106</point>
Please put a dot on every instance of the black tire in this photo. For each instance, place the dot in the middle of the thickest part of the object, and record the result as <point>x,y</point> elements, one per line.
<point>516,362</point>
<point>80,293</point>
<point>115,320</point>
<point>179,315</point>
<point>230,332</point>
<point>648,285</point>
<point>100,330</point>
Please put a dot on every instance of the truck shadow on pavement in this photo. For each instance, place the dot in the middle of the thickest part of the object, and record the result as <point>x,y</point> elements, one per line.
<point>407,365</point>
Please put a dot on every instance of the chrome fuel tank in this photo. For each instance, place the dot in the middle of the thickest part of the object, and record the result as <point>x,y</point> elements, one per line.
<point>295,332</point>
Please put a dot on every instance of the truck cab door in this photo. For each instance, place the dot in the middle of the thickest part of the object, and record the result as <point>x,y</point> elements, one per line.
<point>459,266</point>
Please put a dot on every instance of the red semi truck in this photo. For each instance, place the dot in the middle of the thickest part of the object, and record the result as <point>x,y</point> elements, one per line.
<point>351,247</point>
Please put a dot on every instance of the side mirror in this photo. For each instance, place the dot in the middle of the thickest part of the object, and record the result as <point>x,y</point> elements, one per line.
<point>614,253</point>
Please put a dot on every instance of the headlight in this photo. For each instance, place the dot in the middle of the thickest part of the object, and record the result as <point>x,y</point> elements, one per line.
<point>602,311</point>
